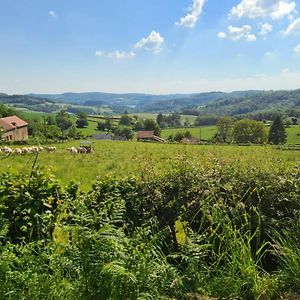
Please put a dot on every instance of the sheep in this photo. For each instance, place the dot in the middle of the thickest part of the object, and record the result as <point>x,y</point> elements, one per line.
<point>72,150</point>
<point>18,151</point>
<point>34,149</point>
<point>26,150</point>
<point>7,150</point>
<point>50,149</point>
<point>81,150</point>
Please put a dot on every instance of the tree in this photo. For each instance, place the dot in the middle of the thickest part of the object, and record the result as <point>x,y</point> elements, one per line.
<point>160,119</point>
<point>125,120</point>
<point>150,125</point>
<point>139,125</point>
<point>6,111</point>
<point>50,120</point>
<point>82,123</point>
<point>277,133</point>
<point>124,131</point>
<point>82,120</point>
<point>249,131</point>
<point>178,136</point>
<point>63,121</point>
<point>224,130</point>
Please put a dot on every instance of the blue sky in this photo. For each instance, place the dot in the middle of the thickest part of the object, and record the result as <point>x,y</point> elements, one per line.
<point>150,46</point>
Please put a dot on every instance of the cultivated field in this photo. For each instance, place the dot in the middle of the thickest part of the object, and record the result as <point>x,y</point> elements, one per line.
<point>132,158</point>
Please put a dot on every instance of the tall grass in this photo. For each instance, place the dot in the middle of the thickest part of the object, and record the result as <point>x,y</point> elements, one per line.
<point>188,233</point>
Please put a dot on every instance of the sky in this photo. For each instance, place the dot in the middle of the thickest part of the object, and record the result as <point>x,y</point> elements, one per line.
<point>148,46</point>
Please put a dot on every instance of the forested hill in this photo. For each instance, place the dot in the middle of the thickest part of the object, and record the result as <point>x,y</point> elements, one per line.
<point>98,99</point>
<point>256,103</point>
<point>22,99</point>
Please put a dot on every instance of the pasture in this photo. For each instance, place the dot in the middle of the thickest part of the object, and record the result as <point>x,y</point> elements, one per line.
<point>134,158</point>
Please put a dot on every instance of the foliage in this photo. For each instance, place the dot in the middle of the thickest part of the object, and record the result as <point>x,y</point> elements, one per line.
<point>249,131</point>
<point>6,111</point>
<point>125,120</point>
<point>277,133</point>
<point>190,231</point>
<point>225,130</point>
<point>171,121</point>
<point>150,125</point>
<point>205,120</point>
<point>82,120</point>
<point>63,121</point>
<point>124,131</point>
<point>82,123</point>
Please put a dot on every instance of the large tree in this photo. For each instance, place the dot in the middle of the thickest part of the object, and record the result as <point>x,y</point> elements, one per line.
<point>277,133</point>
<point>82,120</point>
<point>224,130</point>
<point>63,121</point>
<point>249,131</point>
<point>150,125</point>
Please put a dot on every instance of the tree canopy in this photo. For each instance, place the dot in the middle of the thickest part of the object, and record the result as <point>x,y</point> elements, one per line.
<point>277,133</point>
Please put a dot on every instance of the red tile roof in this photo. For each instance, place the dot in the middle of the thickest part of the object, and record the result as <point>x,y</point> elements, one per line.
<point>12,122</point>
<point>144,134</point>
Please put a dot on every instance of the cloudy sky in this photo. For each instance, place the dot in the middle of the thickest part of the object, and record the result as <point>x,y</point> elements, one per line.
<point>150,46</point>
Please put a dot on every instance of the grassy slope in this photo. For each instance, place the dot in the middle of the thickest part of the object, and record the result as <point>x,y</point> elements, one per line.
<point>293,135</point>
<point>123,158</point>
<point>206,132</point>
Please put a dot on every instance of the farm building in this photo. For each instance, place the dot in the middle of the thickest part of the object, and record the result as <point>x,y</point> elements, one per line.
<point>102,137</point>
<point>148,136</point>
<point>14,129</point>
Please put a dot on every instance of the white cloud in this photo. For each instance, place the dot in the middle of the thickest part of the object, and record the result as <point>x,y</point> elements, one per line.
<point>269,54</point>
<point>275,9</point>
<point>297,49</point>
<point>192,17</point>
<point>52,14</point>
<point>238,33</point>
<point>250,38</point>
<point>153,42</point>
<point>294,27</point>
<point>222,35</point>
<point>115,54</point>
<point>265,29</point>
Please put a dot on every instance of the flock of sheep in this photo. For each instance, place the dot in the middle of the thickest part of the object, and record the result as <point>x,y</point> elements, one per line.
<point>25,150</point>
<point>79,150</point>
<point>36,149</point>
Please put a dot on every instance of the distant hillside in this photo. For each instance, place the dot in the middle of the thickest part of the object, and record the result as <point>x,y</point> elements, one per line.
<point>98,99</point>
<point>238,103</point>
<point>28,102</point>
<point>192,100</point>
<point>255,103</point>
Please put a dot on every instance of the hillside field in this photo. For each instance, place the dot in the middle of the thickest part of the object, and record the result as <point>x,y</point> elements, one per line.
<point>135,158</point>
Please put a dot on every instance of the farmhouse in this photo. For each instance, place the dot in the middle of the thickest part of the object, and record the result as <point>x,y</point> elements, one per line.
<point>14,129</point>
<point>148,136</point>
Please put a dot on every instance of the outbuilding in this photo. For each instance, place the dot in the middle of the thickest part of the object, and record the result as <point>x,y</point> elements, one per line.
<point>14,129</point>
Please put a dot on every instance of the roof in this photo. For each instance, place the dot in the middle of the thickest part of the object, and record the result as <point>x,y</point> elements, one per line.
<point>86,143</point>
<point>12,122</point>
<point>145,134</point>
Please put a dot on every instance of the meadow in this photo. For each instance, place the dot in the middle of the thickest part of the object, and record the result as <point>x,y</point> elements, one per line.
<point>151,221</point>
<point>133,158</point>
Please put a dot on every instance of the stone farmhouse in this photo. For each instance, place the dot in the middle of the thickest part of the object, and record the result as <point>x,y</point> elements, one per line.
<point>13,129</point>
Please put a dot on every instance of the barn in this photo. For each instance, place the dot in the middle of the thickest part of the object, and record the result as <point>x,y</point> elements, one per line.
<point>148,136</point>
<point>14,129</point>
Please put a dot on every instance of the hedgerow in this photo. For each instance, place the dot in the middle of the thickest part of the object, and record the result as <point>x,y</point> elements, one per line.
<point>218,231</point>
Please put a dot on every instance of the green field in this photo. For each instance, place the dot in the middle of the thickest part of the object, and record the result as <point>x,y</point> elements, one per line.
<point>205,132</point>
<point>293,134</point>
<point>124,158</point>
<point>34,115</point>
